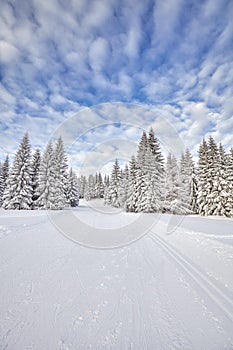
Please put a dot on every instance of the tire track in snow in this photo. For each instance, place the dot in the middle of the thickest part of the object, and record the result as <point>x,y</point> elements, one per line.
<point>214,292</point>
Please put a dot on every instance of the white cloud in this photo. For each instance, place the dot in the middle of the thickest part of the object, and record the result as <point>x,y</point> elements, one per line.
<point>8,52</point>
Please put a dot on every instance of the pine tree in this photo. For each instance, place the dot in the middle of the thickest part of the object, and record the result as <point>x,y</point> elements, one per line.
<point>132,200</point>
<point>36,159</point>
<point>202,178</point>
<point>82,184</point>
<point>171,185</point>
<point>61,175</point>
<point>73,192</point>
<point>124,187</point>
<point>1,184</point>
<point>4,174</point>
<point>222,190</point>
<point>186,186</point>
<point>114,186</point>
<point>140,186</point>
<point>18,191</point>
<point>47,184</point>
<point>141,152</point>
<point>90,188</point>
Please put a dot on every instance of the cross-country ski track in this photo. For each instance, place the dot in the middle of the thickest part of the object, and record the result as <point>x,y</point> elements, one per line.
<point>169,289</point>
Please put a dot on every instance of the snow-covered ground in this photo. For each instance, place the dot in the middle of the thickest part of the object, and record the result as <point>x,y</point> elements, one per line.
<point>172,288</point>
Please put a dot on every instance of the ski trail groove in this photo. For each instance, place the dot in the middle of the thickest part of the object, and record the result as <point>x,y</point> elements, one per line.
<point>215,293</point>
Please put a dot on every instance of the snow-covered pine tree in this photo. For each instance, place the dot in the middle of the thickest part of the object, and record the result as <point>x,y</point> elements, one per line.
<point>202,178</point>
<point>186,186</point>
<point>1,184</point>
<point>222,192</point>
<point>114,186</point>
<point>171,185</point>
<point>214,180</point>
<point>99,186</point>
<point>61,175</point>
<point>82,184</point>
<point>46,189</point>
<point>18,191</point>
<point>132,200</point>
<point>154,170</point>
<point>124,187</point>
<point>73,192</point>
<point>106,189</point>
<point>36,159</point>
<point>90,188</point>
<point>4,174</point>
<point>213,206</point>
<point>140,186</point>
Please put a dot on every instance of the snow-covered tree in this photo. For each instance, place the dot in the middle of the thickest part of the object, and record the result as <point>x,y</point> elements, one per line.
<point>99,186</point>
<point>214,180</point>
<point>132,200</point>
<point>47,184</point>
<point>124,187</point>
<point>202,178</point>
<point>113,196</point>
<point>222,190</point>
<point>61,175</point>
<point>90,188</point>
<point>4,174</point>
<point>18,191</point>
<point>171,185</point>
<point>186,184</point>
<point>82,184</point>
<point>36,159</point>
<point>73,192</point>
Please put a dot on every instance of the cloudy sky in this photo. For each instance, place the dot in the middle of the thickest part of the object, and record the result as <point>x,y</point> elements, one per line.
<point>98,72</point>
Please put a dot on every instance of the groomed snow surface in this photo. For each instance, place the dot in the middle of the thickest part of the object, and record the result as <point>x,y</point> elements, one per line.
<point>170,289</point>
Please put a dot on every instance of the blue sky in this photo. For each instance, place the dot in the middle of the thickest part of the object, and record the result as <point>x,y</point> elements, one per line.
<point>171,58</point>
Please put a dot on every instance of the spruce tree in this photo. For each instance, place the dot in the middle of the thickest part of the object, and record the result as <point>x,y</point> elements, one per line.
<point>73,192</point>
<point>132,200</point>
<point>18,191</point>
<point>47,184</point>
<point>171,185</point>
<point>61,175</point>
<point>4,173</point>
<point>36,159</point>
<point>186,195</point>
<point>202,178</point>
<point>114,186</point>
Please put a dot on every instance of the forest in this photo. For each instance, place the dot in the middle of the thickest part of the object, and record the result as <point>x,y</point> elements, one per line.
<point>148,183</point>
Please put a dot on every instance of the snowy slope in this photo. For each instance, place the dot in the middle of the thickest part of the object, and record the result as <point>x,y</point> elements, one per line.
<point>170,289</point>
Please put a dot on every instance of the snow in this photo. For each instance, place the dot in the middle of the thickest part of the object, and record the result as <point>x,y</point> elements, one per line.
<point>172,288</point>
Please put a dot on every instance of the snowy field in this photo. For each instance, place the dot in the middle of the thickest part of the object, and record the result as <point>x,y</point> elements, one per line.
<point>172,288</point>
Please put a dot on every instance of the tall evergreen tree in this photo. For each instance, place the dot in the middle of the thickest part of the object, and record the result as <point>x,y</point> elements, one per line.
<point>61,175</point>
<point>36,159</point>
<point>186,186</point>
<point>114,186</point>
<point>82,184</point>
<point>47,184</point>
<point>73,192</point>
<point>132,200</point>
<point>171,185</point>
<point>202,178</point>
<point>124,187</point>
<point>4,174</point>
<point>18,191</point>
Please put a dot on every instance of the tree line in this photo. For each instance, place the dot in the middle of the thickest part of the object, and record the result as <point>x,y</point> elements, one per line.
<point>38,181</point>
<point>150,183</point>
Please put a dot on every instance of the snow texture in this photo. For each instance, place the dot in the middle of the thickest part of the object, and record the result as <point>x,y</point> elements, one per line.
<point>171,289</point>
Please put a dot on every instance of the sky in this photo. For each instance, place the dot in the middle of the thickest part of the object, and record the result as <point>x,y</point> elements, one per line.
<point>100,72</point>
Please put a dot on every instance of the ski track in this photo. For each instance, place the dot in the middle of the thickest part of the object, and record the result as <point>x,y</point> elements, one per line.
<point>214,292</point>
<point>75,298</point>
